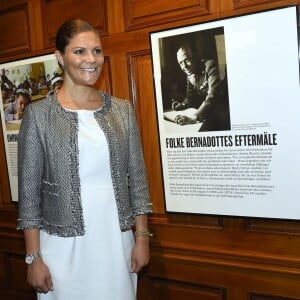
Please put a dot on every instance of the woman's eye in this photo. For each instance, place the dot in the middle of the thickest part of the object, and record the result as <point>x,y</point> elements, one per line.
<point>79,51</point>
<point>98,51</point>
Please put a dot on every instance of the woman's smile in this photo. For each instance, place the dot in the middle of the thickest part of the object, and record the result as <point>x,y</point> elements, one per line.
<point>83,59</point>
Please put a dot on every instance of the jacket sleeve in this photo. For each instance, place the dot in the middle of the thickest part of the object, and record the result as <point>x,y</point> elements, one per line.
<point>137,179</point>
<point>30,172</point>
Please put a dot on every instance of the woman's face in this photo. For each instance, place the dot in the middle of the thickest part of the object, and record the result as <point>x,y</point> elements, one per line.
<point>83,59</point>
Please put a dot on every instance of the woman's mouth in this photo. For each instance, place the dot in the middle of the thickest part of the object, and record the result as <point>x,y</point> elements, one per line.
<point>90,70</point>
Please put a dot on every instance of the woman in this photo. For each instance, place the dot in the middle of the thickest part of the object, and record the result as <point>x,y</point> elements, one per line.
<point>82,182</point>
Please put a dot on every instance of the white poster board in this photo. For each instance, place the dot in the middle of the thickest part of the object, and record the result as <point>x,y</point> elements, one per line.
<point>31,75</point>
<point>251,166</point>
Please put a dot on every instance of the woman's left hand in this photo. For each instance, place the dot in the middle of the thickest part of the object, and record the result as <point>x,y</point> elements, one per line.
<point>140,254</point>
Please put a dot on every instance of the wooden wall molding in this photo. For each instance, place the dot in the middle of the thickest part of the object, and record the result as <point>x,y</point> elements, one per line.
<point>233,7</point>
<point>191,220</point>
<point>145,13</point>
<point>287,227</point>
<point>193,256</point>
<point>159,289</point>
<point>247,3</point>
<point>256,296</point>
<point>8,222</point>
<point>13,270</point>
<point>196,257</point>
<point>104,82</point>
<point>5,197</point>
<point>14,267</point>
<point>238,281</point>
<point>142,95</point>
<point>15,25</point>
<point>54,13</point>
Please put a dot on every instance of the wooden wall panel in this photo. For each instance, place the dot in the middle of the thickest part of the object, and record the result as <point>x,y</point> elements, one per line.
<point>142,95</point>
<point>104,81</point>
<point>238,280</point>
<point>254,296</point>
<point>287,227</point>
<point>56,12</point>
<point>13,284</point>
<point>248,3</point>
<point>159,289</point>
<point>192,256</point>
<point>144,13</point>
<point>5,197</point>
<point>231,7</point>
<point>15,25</point>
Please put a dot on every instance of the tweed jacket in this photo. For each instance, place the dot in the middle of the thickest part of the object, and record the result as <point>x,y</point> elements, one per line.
<point>49,183</point>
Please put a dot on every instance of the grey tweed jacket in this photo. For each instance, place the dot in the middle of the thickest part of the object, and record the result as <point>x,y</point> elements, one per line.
<point>49,184</point>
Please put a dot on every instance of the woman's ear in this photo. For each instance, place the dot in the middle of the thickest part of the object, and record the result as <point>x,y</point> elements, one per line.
<point>59,57</point>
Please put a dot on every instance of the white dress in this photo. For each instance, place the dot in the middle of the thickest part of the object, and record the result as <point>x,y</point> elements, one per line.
<point>95,266</point>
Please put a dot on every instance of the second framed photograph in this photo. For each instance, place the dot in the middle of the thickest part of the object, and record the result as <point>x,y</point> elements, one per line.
<point>228,109</point>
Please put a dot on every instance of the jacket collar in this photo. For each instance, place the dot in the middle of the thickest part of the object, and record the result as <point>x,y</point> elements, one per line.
<point>72,115</point>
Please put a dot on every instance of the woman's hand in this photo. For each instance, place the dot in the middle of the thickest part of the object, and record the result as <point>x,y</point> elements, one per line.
<point>38,276</point>
<point>140,254</point>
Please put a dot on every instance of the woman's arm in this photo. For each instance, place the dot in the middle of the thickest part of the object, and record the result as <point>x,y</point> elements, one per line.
<point>139,196</point>
<point>141,253</point>
<point>38,275</point>
<point>30,169</point>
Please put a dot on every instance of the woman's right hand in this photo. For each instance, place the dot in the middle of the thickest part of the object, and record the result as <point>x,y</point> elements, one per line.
<point>39,277</point>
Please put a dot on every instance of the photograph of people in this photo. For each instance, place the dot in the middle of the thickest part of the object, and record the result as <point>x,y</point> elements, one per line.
<point>56,84</point>
<point>204,87</point>
<point>83,193</point>
<point>15,110</point>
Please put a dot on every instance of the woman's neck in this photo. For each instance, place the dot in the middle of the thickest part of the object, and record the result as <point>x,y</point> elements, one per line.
<point>79,98</point>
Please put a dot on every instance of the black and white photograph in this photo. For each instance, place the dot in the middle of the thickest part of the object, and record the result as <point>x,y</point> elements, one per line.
<point>194,80</point>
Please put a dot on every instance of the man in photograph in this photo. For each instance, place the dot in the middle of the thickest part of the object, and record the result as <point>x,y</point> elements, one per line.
<point>205,92</point>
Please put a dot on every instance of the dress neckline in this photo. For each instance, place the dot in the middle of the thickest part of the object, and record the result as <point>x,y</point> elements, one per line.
<point>72,114</point>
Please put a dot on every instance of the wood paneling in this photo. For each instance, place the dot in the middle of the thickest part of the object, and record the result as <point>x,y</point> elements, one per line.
<point>13,283</point>
<point>159,289</point>
<point>141,84</point>
<point>287,227</point>
<point>254,296</point>
<point>56,12</point>
<point>104,81</point>
<point>5,197</point>
<point>232,7</point>
<point>192,256</point>
<point>15,30</point>
<point>248,3</point>
<point>144,13</point>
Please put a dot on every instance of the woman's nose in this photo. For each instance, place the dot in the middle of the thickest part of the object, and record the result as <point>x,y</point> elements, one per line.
<point>91,57</point>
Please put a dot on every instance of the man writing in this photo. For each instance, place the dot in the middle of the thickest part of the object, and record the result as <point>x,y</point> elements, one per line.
<point>203,91</point>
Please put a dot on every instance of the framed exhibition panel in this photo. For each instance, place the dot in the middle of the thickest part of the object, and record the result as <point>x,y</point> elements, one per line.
<point>22,82</point>
<point>228,108</point>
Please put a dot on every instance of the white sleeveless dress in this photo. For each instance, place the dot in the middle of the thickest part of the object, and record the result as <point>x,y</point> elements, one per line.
<point>95,266</point>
